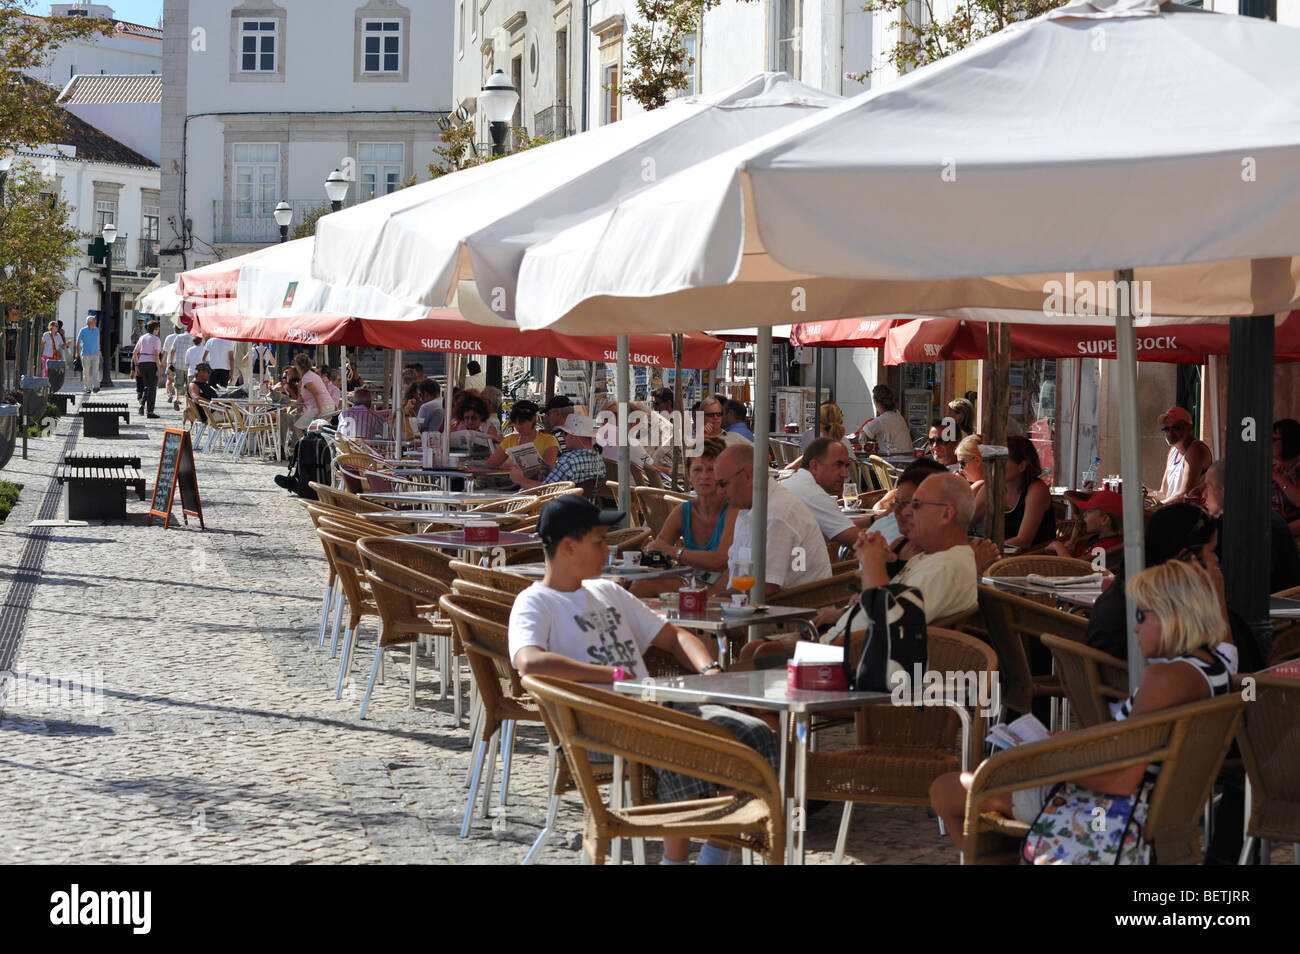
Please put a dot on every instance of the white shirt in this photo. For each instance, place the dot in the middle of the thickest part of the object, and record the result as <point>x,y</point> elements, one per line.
<point>193,356</point>
<point>220,352</point>
<point>796,550</point>
<point>890,432</point>
<point>824,508</point>
<point>946,579</point>
<point>731,437</point>
<point>599,623</point>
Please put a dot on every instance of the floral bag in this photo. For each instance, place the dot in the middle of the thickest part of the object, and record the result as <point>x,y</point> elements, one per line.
<point>1078,826</point>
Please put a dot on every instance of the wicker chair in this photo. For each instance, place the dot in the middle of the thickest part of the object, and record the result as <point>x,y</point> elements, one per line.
<point>340,542</point>
<point>405,597</point>
<point>484,592</point>
<point>833,591</point>
<point>1188,741</point>
<point>1092,679</point>
<point>546,491</point>
<point>1011,623</point>
<point>884,472</point>
<point>657,505</point>
<point>628,539</point>
<point>501,696</point>
<point>344,500</point>
<point>901,750</point>
<point>490,576</point>
<point>1043,565</point>
<point>1270,747</point>
<point>584,719</point>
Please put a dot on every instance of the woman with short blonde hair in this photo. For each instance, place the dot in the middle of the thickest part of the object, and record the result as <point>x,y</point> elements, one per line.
<point>1183,598</point>
<point>970,464</point>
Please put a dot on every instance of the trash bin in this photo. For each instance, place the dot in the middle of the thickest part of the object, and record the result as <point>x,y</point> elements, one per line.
<point>8,432</point>
<point>36,396</point>
<point>56,370</point>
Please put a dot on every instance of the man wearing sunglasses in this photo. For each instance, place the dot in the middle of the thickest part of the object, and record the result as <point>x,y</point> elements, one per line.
<point>943,442</point>
<point>1188,458</point>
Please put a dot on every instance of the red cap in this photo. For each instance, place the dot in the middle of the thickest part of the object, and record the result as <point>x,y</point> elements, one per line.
<point>1104,500</point>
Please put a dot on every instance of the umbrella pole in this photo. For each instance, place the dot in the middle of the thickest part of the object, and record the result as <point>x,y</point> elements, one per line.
<point>621,384</point>
<point>397,410</point>
<point>449,360</point>
<point>817,394</point>
<point>678,432</point>
<point>994,390</point>
<point>762,424</point>
<point>1130,464</point>
<point>1073,482</point>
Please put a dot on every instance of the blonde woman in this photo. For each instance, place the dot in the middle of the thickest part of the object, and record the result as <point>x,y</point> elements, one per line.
<point>831,421</point>
<point>970,464</point>
<point>1183,633</point>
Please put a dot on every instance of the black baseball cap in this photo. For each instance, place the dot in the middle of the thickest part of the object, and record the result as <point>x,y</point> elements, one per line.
<point>570,515</point>
<point>557,402</point>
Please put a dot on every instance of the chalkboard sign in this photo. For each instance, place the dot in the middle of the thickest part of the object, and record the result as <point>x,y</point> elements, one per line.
<point>176,465</point>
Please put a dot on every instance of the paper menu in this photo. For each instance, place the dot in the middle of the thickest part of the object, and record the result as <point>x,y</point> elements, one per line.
<point>527,459</point>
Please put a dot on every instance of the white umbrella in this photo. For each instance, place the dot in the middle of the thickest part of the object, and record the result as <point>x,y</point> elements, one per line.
<point>163,302</point>
<point>410,247</point>
<point>1102,136</point>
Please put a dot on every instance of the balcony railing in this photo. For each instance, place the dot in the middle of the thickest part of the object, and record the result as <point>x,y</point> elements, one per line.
<point>253,222</point>
<point>148,254</point>
<point>554,122</point>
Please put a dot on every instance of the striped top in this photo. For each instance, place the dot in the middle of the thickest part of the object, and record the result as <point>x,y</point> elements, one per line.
<point>1217,670</point>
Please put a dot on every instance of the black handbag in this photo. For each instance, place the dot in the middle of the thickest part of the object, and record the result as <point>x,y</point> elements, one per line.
<point>895,638</point>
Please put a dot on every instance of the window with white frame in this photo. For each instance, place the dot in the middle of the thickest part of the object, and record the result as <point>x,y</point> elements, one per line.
<point>256,177</point>
<point>105,212</point>
<point>149,222</point>
<point>381,46</point>
<point>379,167</point>
<point>690,43</point>
<point>257,46</point>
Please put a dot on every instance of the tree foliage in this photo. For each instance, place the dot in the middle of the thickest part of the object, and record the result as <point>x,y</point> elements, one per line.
<point>29,115</point>
<point>657,64</point>
<point>922,39</point>
<point>456,149</point>
<point>38,240</point>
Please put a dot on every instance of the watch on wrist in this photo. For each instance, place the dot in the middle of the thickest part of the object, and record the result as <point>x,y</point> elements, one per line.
<point>710,667</point>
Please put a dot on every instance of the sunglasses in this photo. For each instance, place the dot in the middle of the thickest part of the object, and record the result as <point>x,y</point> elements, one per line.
<point>1141,615</point>
<point>961,464</point>
<point>713,414</point>
<point>1170,428</point>
<point>939,440</point>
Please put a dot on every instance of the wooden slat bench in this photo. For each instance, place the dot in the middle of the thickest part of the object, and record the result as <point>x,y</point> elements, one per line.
<point>63,399</point>
<point>97,484</point>
<point>100,420</point>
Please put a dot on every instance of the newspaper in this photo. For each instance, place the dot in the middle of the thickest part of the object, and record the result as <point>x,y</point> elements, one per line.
<point>527,459</point>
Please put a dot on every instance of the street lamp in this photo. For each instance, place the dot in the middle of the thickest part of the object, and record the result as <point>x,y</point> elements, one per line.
<point>498,99</point>
<point>105,323</point>
<point>283,216</point>
<point>336,187</point>
<point>4,333</point>
<point>6,163</point>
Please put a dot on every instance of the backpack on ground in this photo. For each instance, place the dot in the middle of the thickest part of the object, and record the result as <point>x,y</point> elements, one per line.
<point>309,463</point>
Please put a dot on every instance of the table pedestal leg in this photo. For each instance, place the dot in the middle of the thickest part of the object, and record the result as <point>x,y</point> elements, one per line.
<point>801,731</point>
<point>783,775</point>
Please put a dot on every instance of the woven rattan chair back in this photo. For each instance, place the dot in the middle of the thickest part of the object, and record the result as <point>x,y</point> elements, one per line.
<point>547,491</point>
<point>656,504</point>
<point>1043,565</point>
<point>833,591</point>
<point>490,594</point>
<point>1010,622</point>
<point>1270,746</point>
<point>489,576</point>
<point>1189,743</point>
<point>1092,679</point>
<point>487,648</point>
<point>403,596</point>
<point>583,719</point>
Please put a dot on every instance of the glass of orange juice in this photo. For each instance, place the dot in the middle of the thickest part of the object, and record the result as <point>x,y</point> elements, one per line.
<point>742,578</point>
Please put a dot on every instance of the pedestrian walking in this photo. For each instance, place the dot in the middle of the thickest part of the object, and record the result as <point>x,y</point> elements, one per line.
<point>52,344</point>
<point>88,353</point>
<point>220,354</point>
<point>144,367</point>
<point>174,351</point>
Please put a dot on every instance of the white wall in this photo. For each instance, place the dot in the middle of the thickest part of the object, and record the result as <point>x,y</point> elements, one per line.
<point>138,125</point>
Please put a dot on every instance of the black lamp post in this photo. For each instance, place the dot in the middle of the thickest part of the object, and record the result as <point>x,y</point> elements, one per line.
<point>6,161</point>
<point>106,324</point>
<point>498,99</point>
<point>336,188</point>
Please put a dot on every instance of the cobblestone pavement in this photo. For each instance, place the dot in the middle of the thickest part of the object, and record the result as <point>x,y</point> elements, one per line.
<point>209,731</point>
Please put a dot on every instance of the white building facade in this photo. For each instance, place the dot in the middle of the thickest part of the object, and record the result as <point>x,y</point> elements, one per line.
<point>263,99</point>
<point>133,48</point>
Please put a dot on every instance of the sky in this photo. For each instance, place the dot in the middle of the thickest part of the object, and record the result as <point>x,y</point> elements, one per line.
<point>145,12</point>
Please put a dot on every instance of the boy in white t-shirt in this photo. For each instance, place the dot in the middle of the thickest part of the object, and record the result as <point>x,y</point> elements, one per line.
<point>573,625</point>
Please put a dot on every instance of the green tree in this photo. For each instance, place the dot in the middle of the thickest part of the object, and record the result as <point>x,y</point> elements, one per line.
<point>456,149</point>
<point>38,239</point>
<point>29,114</point>
<point>922,39</point>
<point>657,63</point>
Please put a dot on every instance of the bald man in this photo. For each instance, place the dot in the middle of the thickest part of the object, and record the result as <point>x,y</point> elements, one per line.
<point>796,551</point>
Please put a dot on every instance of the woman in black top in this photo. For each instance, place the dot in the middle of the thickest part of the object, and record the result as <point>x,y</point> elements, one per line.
<point>1030,521</point>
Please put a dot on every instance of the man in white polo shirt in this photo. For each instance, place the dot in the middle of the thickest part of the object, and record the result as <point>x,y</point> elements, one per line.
<point>818,482</point>
<point>796,551</point>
